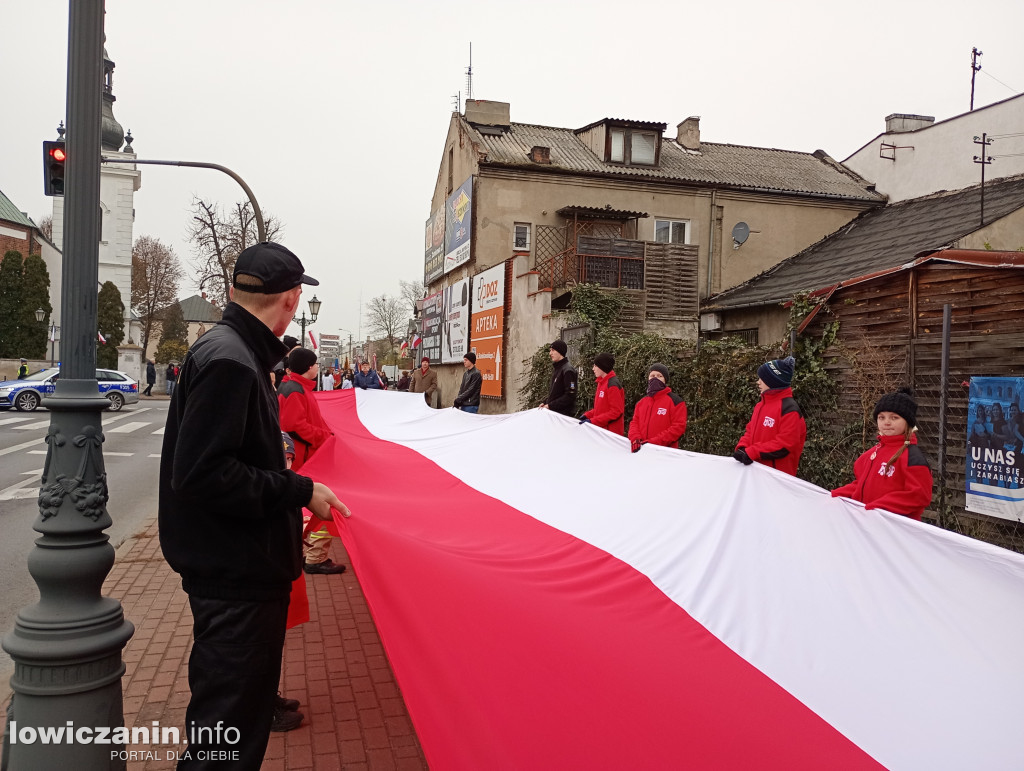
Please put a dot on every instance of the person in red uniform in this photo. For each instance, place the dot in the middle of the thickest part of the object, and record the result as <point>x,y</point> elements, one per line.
<point>894,474</point>
<point>776,431</point>
<point>609,398</point>
<point>660,416</point>
<point>301,419</point>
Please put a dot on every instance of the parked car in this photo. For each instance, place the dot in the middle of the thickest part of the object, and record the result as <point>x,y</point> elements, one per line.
<point>27,394</point>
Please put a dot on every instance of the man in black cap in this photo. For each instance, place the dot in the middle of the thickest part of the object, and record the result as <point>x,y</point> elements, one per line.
<point>468,399</point>
<point>562,394</point>
<point>223,480</point>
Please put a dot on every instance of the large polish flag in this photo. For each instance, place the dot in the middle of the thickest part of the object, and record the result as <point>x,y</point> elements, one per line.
<point>549,600</point>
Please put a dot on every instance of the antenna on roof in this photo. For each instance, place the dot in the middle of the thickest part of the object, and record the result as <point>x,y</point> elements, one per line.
<point>469,74</point>
<point>457,102</point>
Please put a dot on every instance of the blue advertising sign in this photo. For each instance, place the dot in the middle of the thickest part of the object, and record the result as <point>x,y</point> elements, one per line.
<point>458,226</point>
<point>995,440</point>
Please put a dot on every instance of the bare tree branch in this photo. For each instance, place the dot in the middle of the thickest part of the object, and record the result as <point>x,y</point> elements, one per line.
<point>156,274</point>
<point>411,292</point>
<point>217,240</point>
<point>386,318</point>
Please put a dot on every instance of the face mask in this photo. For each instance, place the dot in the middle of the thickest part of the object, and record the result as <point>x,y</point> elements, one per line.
<point>654,385</point>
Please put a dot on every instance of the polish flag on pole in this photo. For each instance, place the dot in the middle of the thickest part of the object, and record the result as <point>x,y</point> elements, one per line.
<point>404,347</point>
<point>416,341</point>
<point>100,337</point>
<point>312,340</point>
<point>683,610</point>
<point>53,333</point>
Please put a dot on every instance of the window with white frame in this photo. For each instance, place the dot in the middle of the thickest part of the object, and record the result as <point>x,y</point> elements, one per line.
<point>521,237</point>
<point>672,231</point>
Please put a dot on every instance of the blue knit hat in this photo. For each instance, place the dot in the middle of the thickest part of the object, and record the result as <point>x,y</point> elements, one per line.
<point>777,373</point>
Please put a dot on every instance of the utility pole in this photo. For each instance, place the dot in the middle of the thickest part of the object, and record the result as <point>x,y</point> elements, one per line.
<point>984,160</point>
<point>67,647</point>
<point>975,55</point>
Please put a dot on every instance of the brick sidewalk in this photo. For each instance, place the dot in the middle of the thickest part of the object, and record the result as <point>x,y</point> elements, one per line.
<point>334,664</point>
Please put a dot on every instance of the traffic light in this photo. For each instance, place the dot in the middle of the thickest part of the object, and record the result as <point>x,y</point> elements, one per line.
<point>54,156</point>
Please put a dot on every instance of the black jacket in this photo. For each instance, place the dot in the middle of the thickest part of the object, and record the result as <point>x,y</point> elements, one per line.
<point>562,396</point>
<point>150,373</point>
<point>230,520</point>
<point>469,391</point>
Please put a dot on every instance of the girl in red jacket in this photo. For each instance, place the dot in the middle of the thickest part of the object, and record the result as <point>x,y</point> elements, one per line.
<point>894,474</point>
<point>660,416</point>
<point>609,398</point>
<point>776,432</point>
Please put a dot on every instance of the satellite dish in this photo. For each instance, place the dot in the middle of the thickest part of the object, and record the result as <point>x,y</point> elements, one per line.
<point>740,232</point>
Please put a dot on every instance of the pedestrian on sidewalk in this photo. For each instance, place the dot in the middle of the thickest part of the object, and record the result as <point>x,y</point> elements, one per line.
<point>468,399</point>
<point>776,431</point>
<point>23,369</point>
<point>562,394</point>
<point>424,380</point>
<point>609,398</point>
<point>223,482</point>
<point>894,474</point>
<point>660,416</point>
<point>366,378</point>
<point>150,377</point>
<point>327,378</point>
<point>172,377</point>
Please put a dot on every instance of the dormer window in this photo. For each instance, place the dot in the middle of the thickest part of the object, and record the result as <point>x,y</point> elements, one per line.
<point>631,146</point>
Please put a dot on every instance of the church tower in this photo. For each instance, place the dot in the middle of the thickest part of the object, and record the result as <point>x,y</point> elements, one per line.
<point>118,185</point>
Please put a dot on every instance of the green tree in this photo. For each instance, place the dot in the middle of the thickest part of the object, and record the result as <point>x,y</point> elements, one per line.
<point>110,320</point>
<point>11,279</point>
<point>173,335</point>
<point>35,294</point>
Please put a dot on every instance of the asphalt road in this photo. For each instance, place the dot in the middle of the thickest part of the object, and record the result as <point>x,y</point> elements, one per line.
<point>131,453</point>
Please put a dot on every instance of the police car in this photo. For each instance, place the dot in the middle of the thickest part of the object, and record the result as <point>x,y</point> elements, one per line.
<point>27,394</point>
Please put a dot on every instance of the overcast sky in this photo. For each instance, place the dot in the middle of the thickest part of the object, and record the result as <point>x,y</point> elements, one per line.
<point>335,113</point>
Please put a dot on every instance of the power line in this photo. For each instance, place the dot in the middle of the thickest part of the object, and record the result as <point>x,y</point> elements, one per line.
<point>997,80</point>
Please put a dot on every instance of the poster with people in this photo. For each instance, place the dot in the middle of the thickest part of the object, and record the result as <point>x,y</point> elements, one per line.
<point>489,326</point>
<point>995,439</point>
<point>458,226</point>
<point>455,339</point>
<point>433,247</point>
<point>432,316</point>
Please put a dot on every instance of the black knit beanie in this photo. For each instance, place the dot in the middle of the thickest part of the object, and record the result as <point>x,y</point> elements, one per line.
<point>658,368</point>
<point>902,403</point>
<point>560,346</point>
<point>300,360</point>
<point>604,362</point>
<point>777,373</point>
<point>470,357</point>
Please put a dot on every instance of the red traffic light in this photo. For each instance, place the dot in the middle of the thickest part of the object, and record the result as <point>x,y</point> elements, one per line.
<point>58,154</point>
<point>54,156</point>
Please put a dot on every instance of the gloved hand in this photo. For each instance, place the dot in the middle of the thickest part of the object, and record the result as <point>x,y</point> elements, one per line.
<point>742,457</point>
<point>636,445</point>
<point>584,419</point>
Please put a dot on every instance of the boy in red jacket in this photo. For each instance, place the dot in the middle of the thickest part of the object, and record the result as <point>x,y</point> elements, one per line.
<point>609,398</point>
<point>301,419</point>
<point>894,474</point>
<point>660,416</point>
<point>776,431</point>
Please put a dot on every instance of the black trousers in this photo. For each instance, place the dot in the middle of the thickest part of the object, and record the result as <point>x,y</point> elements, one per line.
<point>149,390</point>
<point>233,673</point>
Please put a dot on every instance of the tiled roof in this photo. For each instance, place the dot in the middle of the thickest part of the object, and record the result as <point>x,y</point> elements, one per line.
<point>879,239</point>
<point>196,308</point>
<point>10,213</point>
<point>734,166</point>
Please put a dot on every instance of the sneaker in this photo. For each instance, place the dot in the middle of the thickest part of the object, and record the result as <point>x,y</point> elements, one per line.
<point>285,705</point>
<point>327,567</point>
<point>286,721</point>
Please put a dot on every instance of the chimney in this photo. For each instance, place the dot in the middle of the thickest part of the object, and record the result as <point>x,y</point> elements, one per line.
<point>540,154</point>
<point>688,133</point>
<point>480,112</point>
<point>899,122</point>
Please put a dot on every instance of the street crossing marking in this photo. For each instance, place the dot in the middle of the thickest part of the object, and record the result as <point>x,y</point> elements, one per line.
<point>8,421</point>
<point>126,428</point>
<point>15,448</point>
<point>159,431</point>
<point>154,455</point>
<point>118,454</point>
<point>18,490</point>
<point>37,452</point>
<point>33,426</point>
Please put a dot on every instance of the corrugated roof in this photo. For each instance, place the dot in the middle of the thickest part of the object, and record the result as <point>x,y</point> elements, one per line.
<point>196,308</point>
<point>877,240</point>
<point>735,166</point>
<point>10,213</point>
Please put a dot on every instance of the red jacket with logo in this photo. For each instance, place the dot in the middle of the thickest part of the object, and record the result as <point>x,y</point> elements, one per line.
<point>300,417</point>
<point>776,432</point>
<point>903,488</point>
<point>609,405</point>
<point>659,419</point>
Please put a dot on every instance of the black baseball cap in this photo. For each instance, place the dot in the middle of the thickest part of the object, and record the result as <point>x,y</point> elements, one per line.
<point>275,268</point>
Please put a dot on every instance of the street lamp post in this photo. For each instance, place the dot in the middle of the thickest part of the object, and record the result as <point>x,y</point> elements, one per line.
<point>302,321</point>
<point>67,647</point>
<point>40,315</point>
